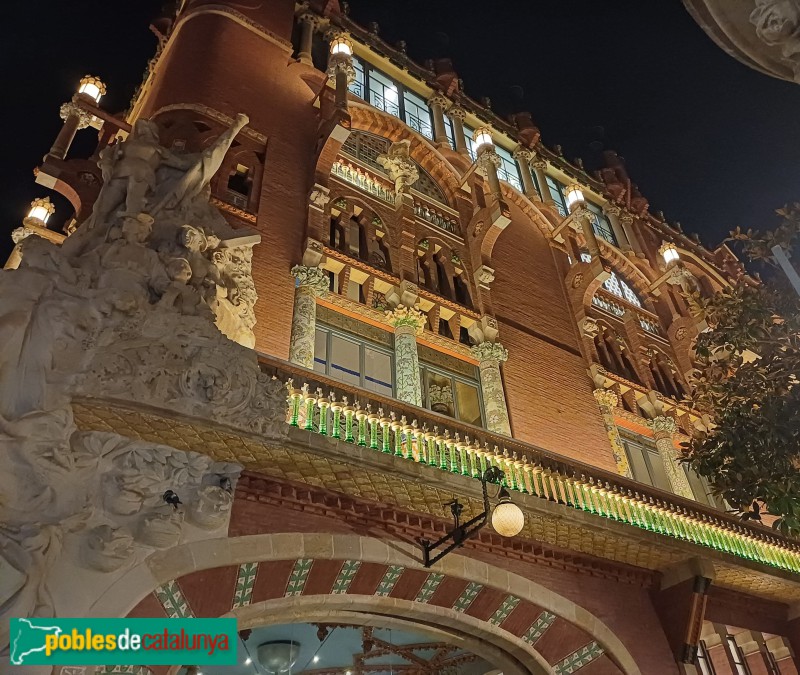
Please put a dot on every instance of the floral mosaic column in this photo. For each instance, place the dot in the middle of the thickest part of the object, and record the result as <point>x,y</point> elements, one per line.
<point>408,323</point>
<point>490,355</point>
<point>663,430</point>
<point>608,400</point>
<point>311,282</point>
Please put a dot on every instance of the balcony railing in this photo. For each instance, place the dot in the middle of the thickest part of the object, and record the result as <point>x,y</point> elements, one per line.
<point>437,218</point>
<point>350,415</point>
<point>609,303</point>
<point>357,176</point>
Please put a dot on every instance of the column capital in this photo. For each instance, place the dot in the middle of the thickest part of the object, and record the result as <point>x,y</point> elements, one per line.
<point>489,351</point>
<point>313,278</point>
<point>606,397</point>
<point>488,156</point>
<point>21,233</point>
<point>441,100</point>
<point>341,63</point>
<point>626,217</point>
<point>663,426</point>
<point>523,154</point>
<point>410,317</point>
<point>613,210</point>
<point>456,110</point>
<point>72,109</point>
<point>307,16</point>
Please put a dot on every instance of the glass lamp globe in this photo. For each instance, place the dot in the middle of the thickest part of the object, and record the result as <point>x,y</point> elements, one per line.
<point>574,196</point>
<point>342,45</point>
<point>507,518</point>
<point>481,137</point>
<point>92,86</point>
<point>669,252</point>
<point>41,209</point>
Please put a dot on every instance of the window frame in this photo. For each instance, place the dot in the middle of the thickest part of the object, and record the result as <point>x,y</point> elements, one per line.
<point>648,449</point>
<point>737,657</point>
<point>425,367</point>
<point>704,662</point>
<point>556,189</point>
<point>363,343</point>
<point>508,170</point>
<point>601,224</point>
<point>420,104</point>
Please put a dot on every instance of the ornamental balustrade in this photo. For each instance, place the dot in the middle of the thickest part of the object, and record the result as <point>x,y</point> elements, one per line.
<point>354,416</point>
<point>611,304</point>
<point>361,179</point>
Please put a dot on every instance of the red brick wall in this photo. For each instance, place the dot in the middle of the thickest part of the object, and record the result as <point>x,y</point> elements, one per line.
<point>548,391</point>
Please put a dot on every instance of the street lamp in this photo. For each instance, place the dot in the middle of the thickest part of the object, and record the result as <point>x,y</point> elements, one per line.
<point>92,87</point>
<point>41,210</point>
<point>482,136</point>
<point>341,44</point>
<point>669,252</point>
<point>507,520</point>
<point>574,197</point>
<point>340,67</point>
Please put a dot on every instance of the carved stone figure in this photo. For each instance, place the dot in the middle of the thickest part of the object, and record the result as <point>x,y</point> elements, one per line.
<point>399,165</point>
<point>777,24</point>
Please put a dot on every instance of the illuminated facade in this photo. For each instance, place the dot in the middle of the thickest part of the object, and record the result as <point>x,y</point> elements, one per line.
<point>429,292</point>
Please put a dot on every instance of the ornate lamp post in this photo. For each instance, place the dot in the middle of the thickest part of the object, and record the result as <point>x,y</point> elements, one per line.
<point>576,203</point>
<point>90,90</point>
<point>487,158</point>
<point>340,67</point>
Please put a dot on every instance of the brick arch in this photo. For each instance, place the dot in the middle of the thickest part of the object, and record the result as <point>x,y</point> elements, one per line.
<point>386,215</point>
<point>528,208</point>
<point>217,577</point>
<point>367,118</point>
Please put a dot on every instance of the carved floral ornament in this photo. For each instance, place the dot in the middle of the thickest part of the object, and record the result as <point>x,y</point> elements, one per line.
<point>490,351</point>
<point>663,426</point>
<point>410,317</point>
<point>606,398</point>
<point>314,278</point>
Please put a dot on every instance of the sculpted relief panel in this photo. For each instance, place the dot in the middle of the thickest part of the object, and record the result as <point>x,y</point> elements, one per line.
<point>150,302</point>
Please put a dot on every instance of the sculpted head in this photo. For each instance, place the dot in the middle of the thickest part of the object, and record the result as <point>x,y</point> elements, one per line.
<point>193,238</point>
<point>145,130</point>
<point>137,230</point>
<point>179,270</point>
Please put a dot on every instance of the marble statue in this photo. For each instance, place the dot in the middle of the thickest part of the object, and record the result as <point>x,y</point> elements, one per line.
<point>777,24</point>
<point>149,302</point>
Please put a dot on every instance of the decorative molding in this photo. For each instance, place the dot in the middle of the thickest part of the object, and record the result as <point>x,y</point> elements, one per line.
<point>216,115</point>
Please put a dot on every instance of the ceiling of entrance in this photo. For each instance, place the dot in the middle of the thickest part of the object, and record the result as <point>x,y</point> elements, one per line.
<point>332,649</point>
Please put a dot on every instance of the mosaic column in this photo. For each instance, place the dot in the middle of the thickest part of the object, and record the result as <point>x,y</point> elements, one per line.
<point>607,400</point>
<point>311,282</point>
<point>408,323</point>
<point>490,355</point>
<point>663,430</point>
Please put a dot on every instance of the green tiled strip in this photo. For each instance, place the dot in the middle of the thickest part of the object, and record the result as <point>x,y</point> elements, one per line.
<point>577,660</point>
<point>389,580</point>
<point>508,606</point>
<point>345,577</point>
<point>546,481</point>
<point>467,596</point>
<point>538,628</point>
<point>298,577</point>
<point>429,587</point>
<point>172,600</point>
<point>245,580</point>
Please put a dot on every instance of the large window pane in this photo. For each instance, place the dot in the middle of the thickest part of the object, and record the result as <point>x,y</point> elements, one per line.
<point>601,225</point>
<point>637,462</point>
<point>377,371</point>
<point>418,117</point>
<point>383,93</point>
<point>357,85</point>
<point>508,169</point>
<point>470,143</point>
<point>657,470</point>
<point>345,360</point>
<point>557,193</point>
<point>321,351</point>
<point>469,403</point>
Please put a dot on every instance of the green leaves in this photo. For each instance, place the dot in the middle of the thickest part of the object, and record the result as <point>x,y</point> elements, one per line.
<point>747,377</point>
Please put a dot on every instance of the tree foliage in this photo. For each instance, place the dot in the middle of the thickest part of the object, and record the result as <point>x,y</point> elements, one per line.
<point>748,365</point>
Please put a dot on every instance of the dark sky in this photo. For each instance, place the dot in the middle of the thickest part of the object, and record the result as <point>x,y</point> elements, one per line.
<point>710,142</point>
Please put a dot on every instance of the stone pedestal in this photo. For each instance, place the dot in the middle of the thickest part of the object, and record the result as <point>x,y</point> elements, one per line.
<point>607,400</point>
<point>311,282</point>
<point>663,429</point>
<point>408,323</point>
<point>490,355</point>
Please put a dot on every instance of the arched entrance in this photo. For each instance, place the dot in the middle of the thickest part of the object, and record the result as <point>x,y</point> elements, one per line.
<point>512,622</point>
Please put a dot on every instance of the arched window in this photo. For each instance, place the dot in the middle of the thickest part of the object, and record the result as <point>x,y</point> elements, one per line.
<point>613,354</point>
<point>616,285</point>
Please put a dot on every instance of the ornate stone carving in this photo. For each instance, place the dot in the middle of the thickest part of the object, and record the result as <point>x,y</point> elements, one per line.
<point>777,24</point>
<point>663,426</point>
<point>402,316</point>
<point>490,351</point>
<point>72,109</point>
<point>21,233</point>
<point>523,154</point>
<point>457,111</point>
<point>441,100</point>
<point>681,333</point>
<point>539,164</point>
<point>107,548</point>
<point>606,397</point>
<point>484,276</point>
<point>313,278</point>
<point>590,328</point>
<point>319,196</point>
<point>399,165</point>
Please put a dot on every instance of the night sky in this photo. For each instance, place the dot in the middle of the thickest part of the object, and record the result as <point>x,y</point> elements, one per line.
<point>710,142</point>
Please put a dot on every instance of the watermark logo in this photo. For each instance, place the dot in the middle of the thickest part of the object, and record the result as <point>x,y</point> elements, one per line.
<point>130,642</point>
